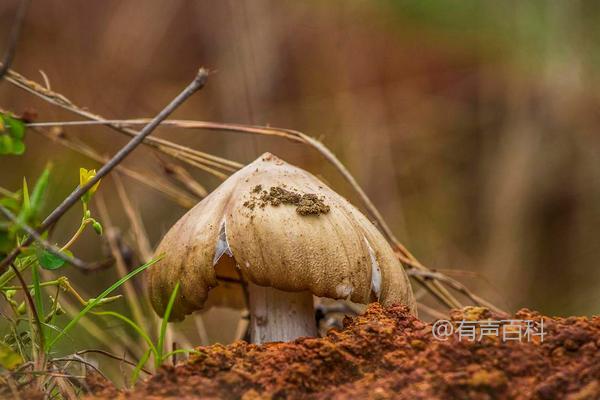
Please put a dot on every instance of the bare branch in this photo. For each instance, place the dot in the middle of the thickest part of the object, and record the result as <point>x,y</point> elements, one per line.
<point>9,53</point>
<point>74,197</point>
<point>114,357</point>
<point>79,359</point>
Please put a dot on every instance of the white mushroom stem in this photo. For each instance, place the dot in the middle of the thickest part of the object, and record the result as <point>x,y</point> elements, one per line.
<point>278,316</point>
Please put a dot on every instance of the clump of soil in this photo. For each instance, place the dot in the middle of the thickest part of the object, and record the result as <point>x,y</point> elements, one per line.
<point>389,354</point>
<point>306,203</point>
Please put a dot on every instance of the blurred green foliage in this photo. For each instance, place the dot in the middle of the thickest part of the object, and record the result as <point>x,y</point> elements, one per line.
<point>533,29</point>
<point>12,135</point>
<point>27,209</point>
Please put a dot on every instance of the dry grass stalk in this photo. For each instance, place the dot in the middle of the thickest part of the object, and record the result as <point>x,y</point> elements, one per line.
<point>183,153</point>
<point>131,294</point>
<point>184,177</point>
<point>152,181</point>
<point>434,284</point>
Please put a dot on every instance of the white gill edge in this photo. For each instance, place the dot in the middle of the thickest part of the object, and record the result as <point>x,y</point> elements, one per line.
<point>222,246</point>
<point>375,271</point>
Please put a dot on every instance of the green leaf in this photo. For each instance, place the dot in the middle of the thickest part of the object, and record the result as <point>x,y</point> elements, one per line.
<point>37,297</point>
<point>11,203</point>
<point>138,368</point>
<point>13,133</point>
<point>163,325</point>
<point>9,359</point>
<point>23,215</point>
<point>6,244</point>
<point>6,144</point>
<point>39,190</point>
<point>18,147</point>
<point>16,127</point>
<point>32,205</point>
<point>48,260</point>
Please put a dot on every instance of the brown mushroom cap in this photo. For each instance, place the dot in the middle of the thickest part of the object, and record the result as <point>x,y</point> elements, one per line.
<point>283,228</point>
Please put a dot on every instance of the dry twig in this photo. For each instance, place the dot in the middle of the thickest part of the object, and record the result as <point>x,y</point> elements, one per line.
<point>114,357</point>
<point>11,47</point>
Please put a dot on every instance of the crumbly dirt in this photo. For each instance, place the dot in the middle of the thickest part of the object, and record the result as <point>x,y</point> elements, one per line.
<point>306,203</point>
<point>389,354</point>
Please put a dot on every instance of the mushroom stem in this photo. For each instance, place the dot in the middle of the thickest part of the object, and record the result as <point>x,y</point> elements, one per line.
<point>278,316</point>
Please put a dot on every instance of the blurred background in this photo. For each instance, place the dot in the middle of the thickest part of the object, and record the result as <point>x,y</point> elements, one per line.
<point>472,125</point>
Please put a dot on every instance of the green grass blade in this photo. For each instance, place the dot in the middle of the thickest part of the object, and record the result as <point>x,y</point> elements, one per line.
<point>135,327</point>
<point>98,299</point>
<point>38,192</point>
<point>164,323</point>
<point>138,368</point>
<point>37,298</point>
<point>26,206</point>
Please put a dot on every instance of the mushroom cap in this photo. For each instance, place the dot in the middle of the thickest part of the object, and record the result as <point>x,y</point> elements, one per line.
<point>283,228</point>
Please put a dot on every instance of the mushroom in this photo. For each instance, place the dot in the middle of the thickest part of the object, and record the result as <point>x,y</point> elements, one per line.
<point>290,237</point>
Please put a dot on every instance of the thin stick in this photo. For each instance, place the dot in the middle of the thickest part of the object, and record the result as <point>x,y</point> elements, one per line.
<point>178,123</point>
<point>9,53</point>
<point>114,357</point>
<point>174,356</point>
<point>456,285</point>
<point>80,359</point>
<point>58,212</point>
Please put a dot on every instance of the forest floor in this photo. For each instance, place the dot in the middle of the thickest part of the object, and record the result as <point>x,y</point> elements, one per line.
<point>389,354</point>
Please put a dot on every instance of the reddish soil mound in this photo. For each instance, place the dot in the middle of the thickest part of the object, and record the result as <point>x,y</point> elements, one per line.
<point>387,354</point>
